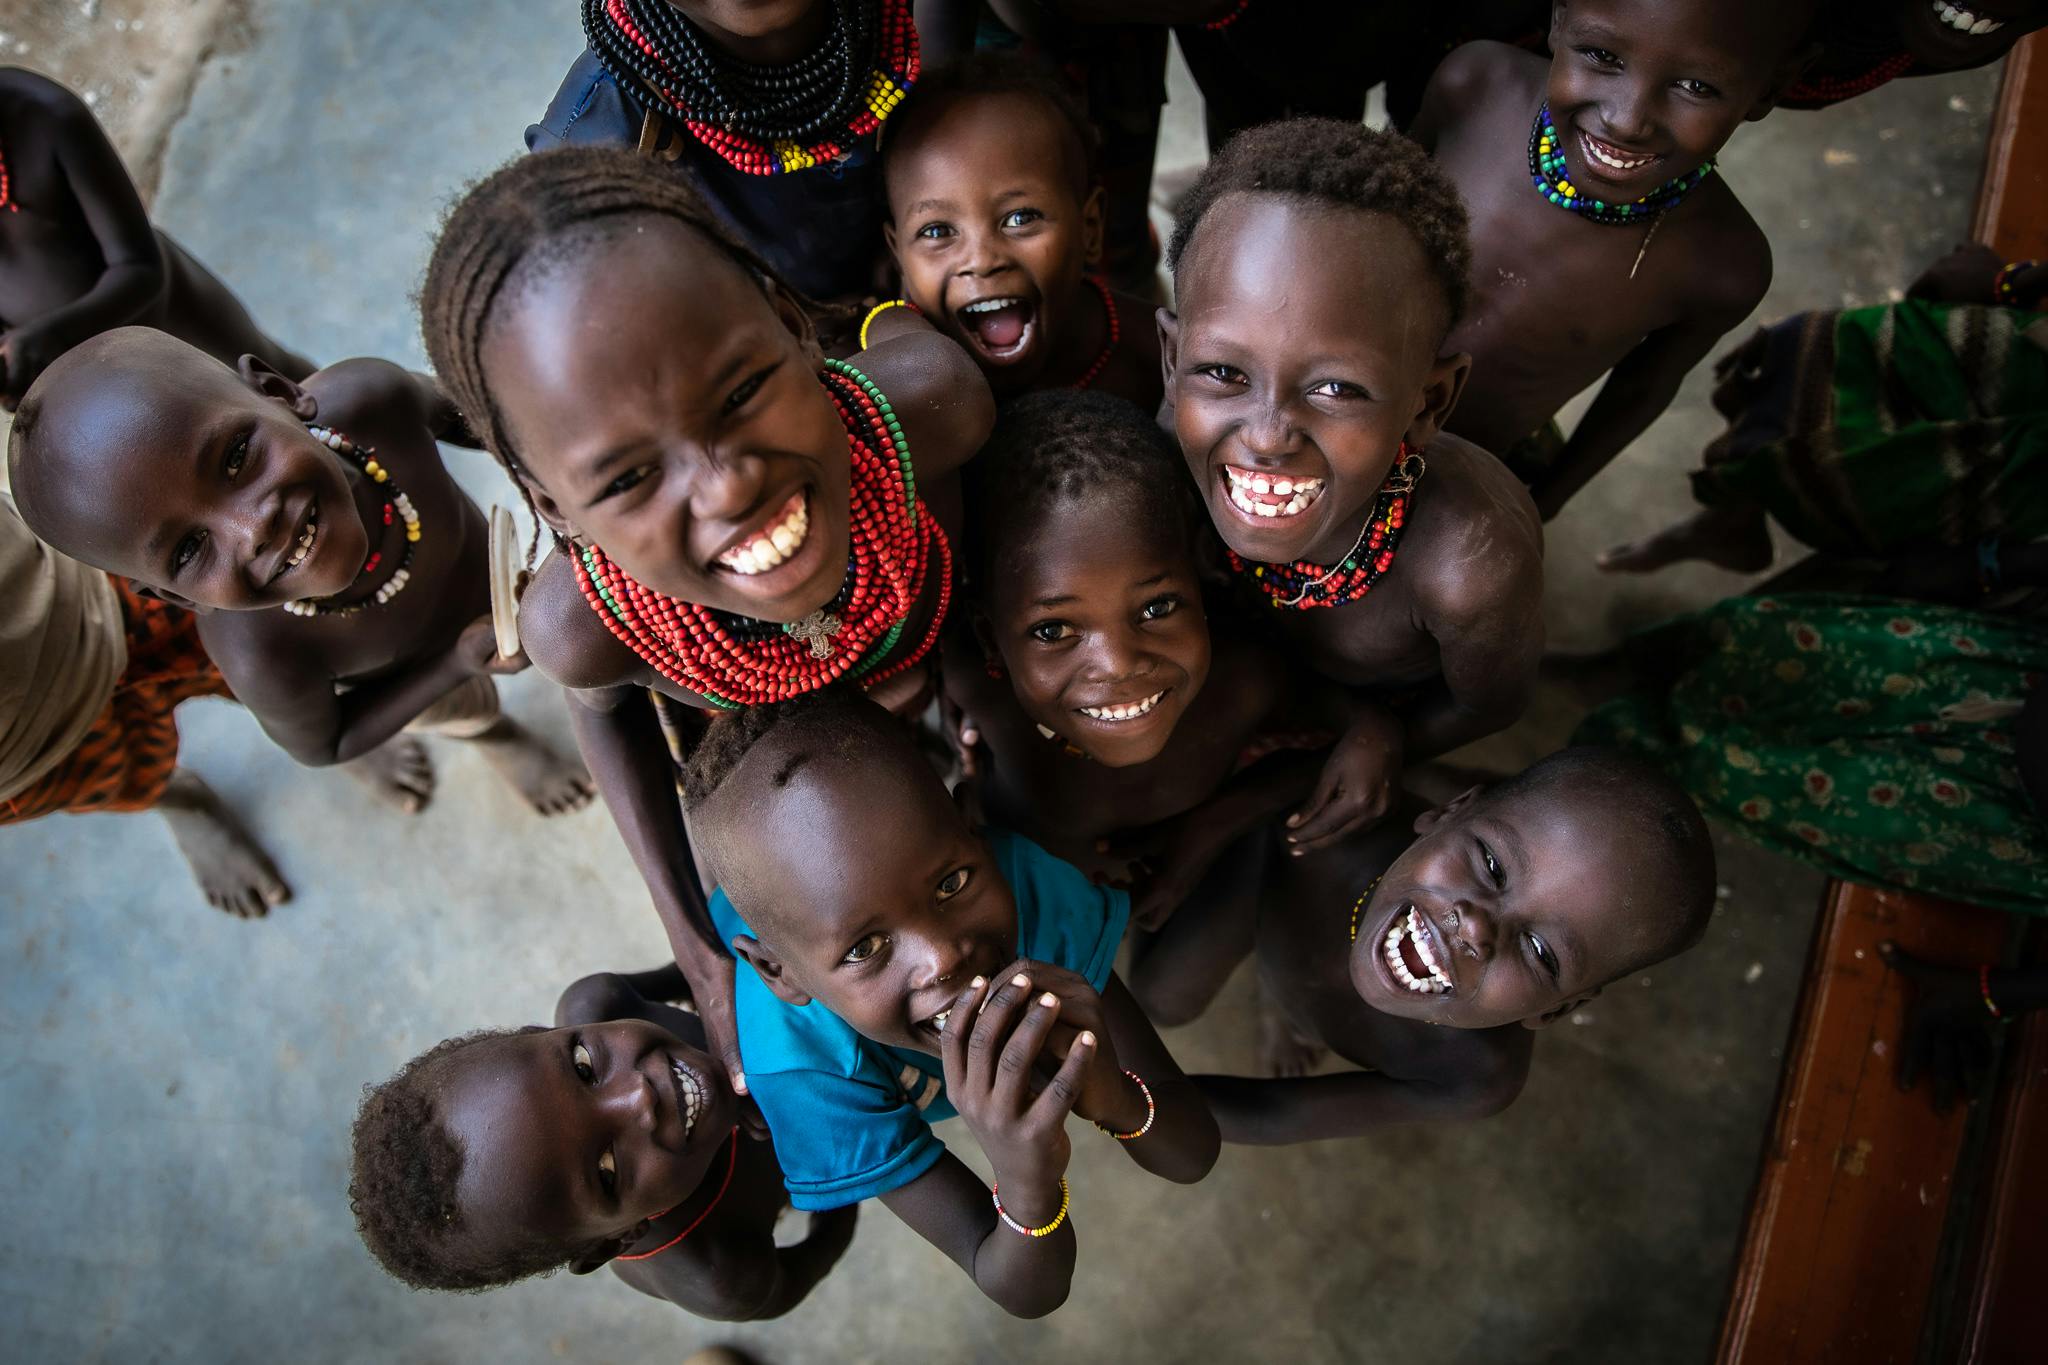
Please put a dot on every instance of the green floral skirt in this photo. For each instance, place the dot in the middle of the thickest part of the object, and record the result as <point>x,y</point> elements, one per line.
<point>1870,738</point>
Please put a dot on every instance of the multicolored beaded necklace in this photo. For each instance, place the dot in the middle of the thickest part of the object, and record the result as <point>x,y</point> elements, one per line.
<point>1303,586</point>
<point>1358,908</point>
<point>1116,331</point>
<point>398,509</point>
<point>1548,172</point>
<point>765,120</point>
<point>735,661</point>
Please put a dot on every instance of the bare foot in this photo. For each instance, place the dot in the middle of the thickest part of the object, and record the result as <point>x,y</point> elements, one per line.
<point>1283,1051</point>
<point>397,772</point>
<point>1734,537</point>
<point>235,875</point>
<point>550,783</point>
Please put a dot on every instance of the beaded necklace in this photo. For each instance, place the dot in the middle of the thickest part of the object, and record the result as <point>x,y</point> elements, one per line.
<point>1817,91</point>
<point>398,508</point>
<point>6,196</point>
<point>765,120</point>
<point>1116,331</point>
<point>735,661</point>
<point>1303,586</point>
<point>732,1164</point>
<point>1548,172</point>
<point>1358,908</point>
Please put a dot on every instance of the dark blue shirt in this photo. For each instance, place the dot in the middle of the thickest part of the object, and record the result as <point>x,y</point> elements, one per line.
<point>820,228</point>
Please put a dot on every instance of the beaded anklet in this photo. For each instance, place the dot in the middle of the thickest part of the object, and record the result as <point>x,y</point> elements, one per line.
<point>1151,1112</point>
<point>731,1164</point>
<point>1303,586</point>
<point>399,508</point>
<point>996,1194</point>
<point>1548,172</point>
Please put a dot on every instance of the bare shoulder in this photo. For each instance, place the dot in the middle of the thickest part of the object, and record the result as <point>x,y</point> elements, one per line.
<point>369,394</point>
<point>1474,77</point>
<point>1478,533</point>
<point>33,92</point>
<point>1723,233</point>
<point>266,656</point>
<point>564,638</point>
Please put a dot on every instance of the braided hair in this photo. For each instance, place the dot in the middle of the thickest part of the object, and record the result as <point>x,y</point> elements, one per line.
<point>525,215</point>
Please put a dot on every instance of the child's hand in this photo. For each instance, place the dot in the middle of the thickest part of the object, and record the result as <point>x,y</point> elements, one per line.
<point>1107,1095</point>
<point>1357,785</point>
<point>478,648</point>
<point>1946,1032</point>
<point>992,1044</point>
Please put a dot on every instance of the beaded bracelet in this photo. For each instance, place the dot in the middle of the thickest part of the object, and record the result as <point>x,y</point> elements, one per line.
<point>2003,285</point>
<point>1151,1112</point>
<point>996,1195</point>
<point>1984,988</point>
<point>1218,25</point>
<point>884,306</point>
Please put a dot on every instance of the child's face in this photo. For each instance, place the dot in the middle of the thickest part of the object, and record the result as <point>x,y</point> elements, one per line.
<point>1645,91</point>
<point>1100,627</point>
<point>670,412</point>
<point>576,1135</point>
<point>1947,44</point>
<point>872,895</point>
<point>1525,904</point>
<point>1304,353</point>
<point>195,481</point>
<point>993,230</point>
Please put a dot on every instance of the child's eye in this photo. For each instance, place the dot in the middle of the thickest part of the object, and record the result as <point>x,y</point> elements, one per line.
<point>866,948</point>
<point>934,231</point>
<point>1699,89</point>
<point>955,882</point>
<point>1222,374</point>
<point>1599,56</point>
<point>1492,865</point>
<point>238,455</point>
<point>1337,388</point>
<point>1543,954</point>
<point>579,1057</point>
<point>1017,218</point>
<point>1051,632</point>
<point>1159,607</point>
<point>630,479</point>
<point>187,550</point>
<point>749,386</point>
<point>608,1172</point>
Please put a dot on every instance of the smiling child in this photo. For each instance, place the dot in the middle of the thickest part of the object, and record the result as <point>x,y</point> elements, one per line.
<point>902,969</point>
<point>610,1139</point>
<point>1319,267</point>
<point>1594,203</point>
<point>1426,950</point>
<point>995,220</point>
<point>294,518</point>
<point>1868,43</point>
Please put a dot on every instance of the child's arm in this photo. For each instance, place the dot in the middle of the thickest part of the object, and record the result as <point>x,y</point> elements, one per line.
<point>1271,1113</point>
<point>989,1056</point>
<point>938,392</point>
<point>1200,836</point>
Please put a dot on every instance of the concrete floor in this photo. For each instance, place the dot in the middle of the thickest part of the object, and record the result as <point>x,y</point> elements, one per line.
<point>174,1105</point>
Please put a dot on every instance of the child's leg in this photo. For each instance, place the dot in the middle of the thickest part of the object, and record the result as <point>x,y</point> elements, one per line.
<point>199,309</point>
<point>235,874</point>
<point>1176,972</point>
<point>397,773</point>
<point>1284,1050</point>
<point>550,783</point>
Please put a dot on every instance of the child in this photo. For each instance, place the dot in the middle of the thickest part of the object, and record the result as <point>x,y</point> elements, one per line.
<point>1602,241</point>
<point>995,221</point>
<point>1319,266</point>
<point>1864,45</point>
<point>610,1139</point>
<point>901,970</point>
<point>660,397</point>
<point>91,672</point>
<point>1427,957</point>
<point>771,112</point>
<point>1105,707</point>
<point>78,254</point>
<point>294,518</point>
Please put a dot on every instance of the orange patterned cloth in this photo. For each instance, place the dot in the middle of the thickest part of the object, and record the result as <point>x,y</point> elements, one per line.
<point>127,757</point>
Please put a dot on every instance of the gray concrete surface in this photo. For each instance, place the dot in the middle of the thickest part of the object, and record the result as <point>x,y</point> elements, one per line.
<point>175,1095</point>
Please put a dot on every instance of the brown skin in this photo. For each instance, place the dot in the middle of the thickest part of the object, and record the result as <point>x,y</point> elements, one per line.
<point>679,423</point>
<point>154,462</point>
<point>988,199</point>
<point>1554,306</point>
<point>1510,889</point>
<point>577,1135</point>
<point>912,919</point>
<point>1324,375</point>
<point>78,256</point>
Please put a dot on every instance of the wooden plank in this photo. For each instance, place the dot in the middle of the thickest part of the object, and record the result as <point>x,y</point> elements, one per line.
<point>2012,201</point>
<point>1845,1223</point>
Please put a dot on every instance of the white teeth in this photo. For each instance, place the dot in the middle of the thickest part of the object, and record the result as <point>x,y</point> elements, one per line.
<point>1247,488</point>
<point>939,1020</point>
<point>1617,162</point>
<point>1964,21</point>
<point>1410,927</point>
<point>989,305</point>
<point>304,546</point>
<point>693,1095</point>
<point>763,551</point>
<point>1129,711</point>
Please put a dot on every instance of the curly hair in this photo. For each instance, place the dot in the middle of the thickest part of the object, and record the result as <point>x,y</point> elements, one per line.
<point>832,720</point>
<point>1059,444</point>
<point>404,1169</point>
<point>997,73</point>
<point>1347,165</point>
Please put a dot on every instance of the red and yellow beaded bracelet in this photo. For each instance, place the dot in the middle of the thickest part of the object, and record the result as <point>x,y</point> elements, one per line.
<point>996,1195</point>
<point>1151,1112</point>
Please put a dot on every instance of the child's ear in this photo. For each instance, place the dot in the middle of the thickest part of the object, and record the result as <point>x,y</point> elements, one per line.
<point>258,375</point>
<point>889,239</point>
<point>1169,346</point>
<point>770,971</point>
<point>1787,74</point>
<point>1440,390</point>
<point>1559,1011</point>
<point>1091,227</point>
<point>1436,815</point>
<point>799,324</point>
<point>546,508</point>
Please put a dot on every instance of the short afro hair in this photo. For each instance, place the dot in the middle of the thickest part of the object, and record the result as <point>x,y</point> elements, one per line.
<point>1059,444</point>
<point>996,73</point>
<point>404,1170</point>
<point>1345,165</point>
<point>834,718</point>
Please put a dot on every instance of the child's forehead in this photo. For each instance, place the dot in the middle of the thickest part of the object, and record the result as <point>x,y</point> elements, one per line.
<point>1008,130</point>
<point>1729,36</point>
<point>1251,235</point>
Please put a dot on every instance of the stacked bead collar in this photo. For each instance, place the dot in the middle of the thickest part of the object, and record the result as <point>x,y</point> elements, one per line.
<point>1302,586</point>
<point>1547,171</point>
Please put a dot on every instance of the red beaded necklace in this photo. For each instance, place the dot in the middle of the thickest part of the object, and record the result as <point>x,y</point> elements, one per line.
<point>6,194</point>
<point>1303,586</point>
<point>734,661</point>
<point>731,1164</point>
<point>1815,91</point>
<point>1116,332</point>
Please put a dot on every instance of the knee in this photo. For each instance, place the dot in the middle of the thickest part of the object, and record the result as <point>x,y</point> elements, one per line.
<point>594,998</point>
<point>1163,1004</point>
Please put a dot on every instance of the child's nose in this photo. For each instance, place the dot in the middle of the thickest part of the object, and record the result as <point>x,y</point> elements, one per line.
<point>1627,115</point>
<point>987,253</point>
<point>632,1098</point>
<point>725,488</point>
<point>1113,654</point>
<point>1269,432</point>
<point>1473,926</point>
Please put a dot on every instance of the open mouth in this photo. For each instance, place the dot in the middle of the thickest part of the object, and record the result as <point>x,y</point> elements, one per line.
<point>691,1096</point>
<point>773,544</point>
<point>1410,957</point>
<point>1002,329</point>
<point>1267,496</point>
<point>1965,21</point>
<point>935,1025</point>
<point>1125,710</point>
<point>302,543</point>
<point>1609,157</point>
